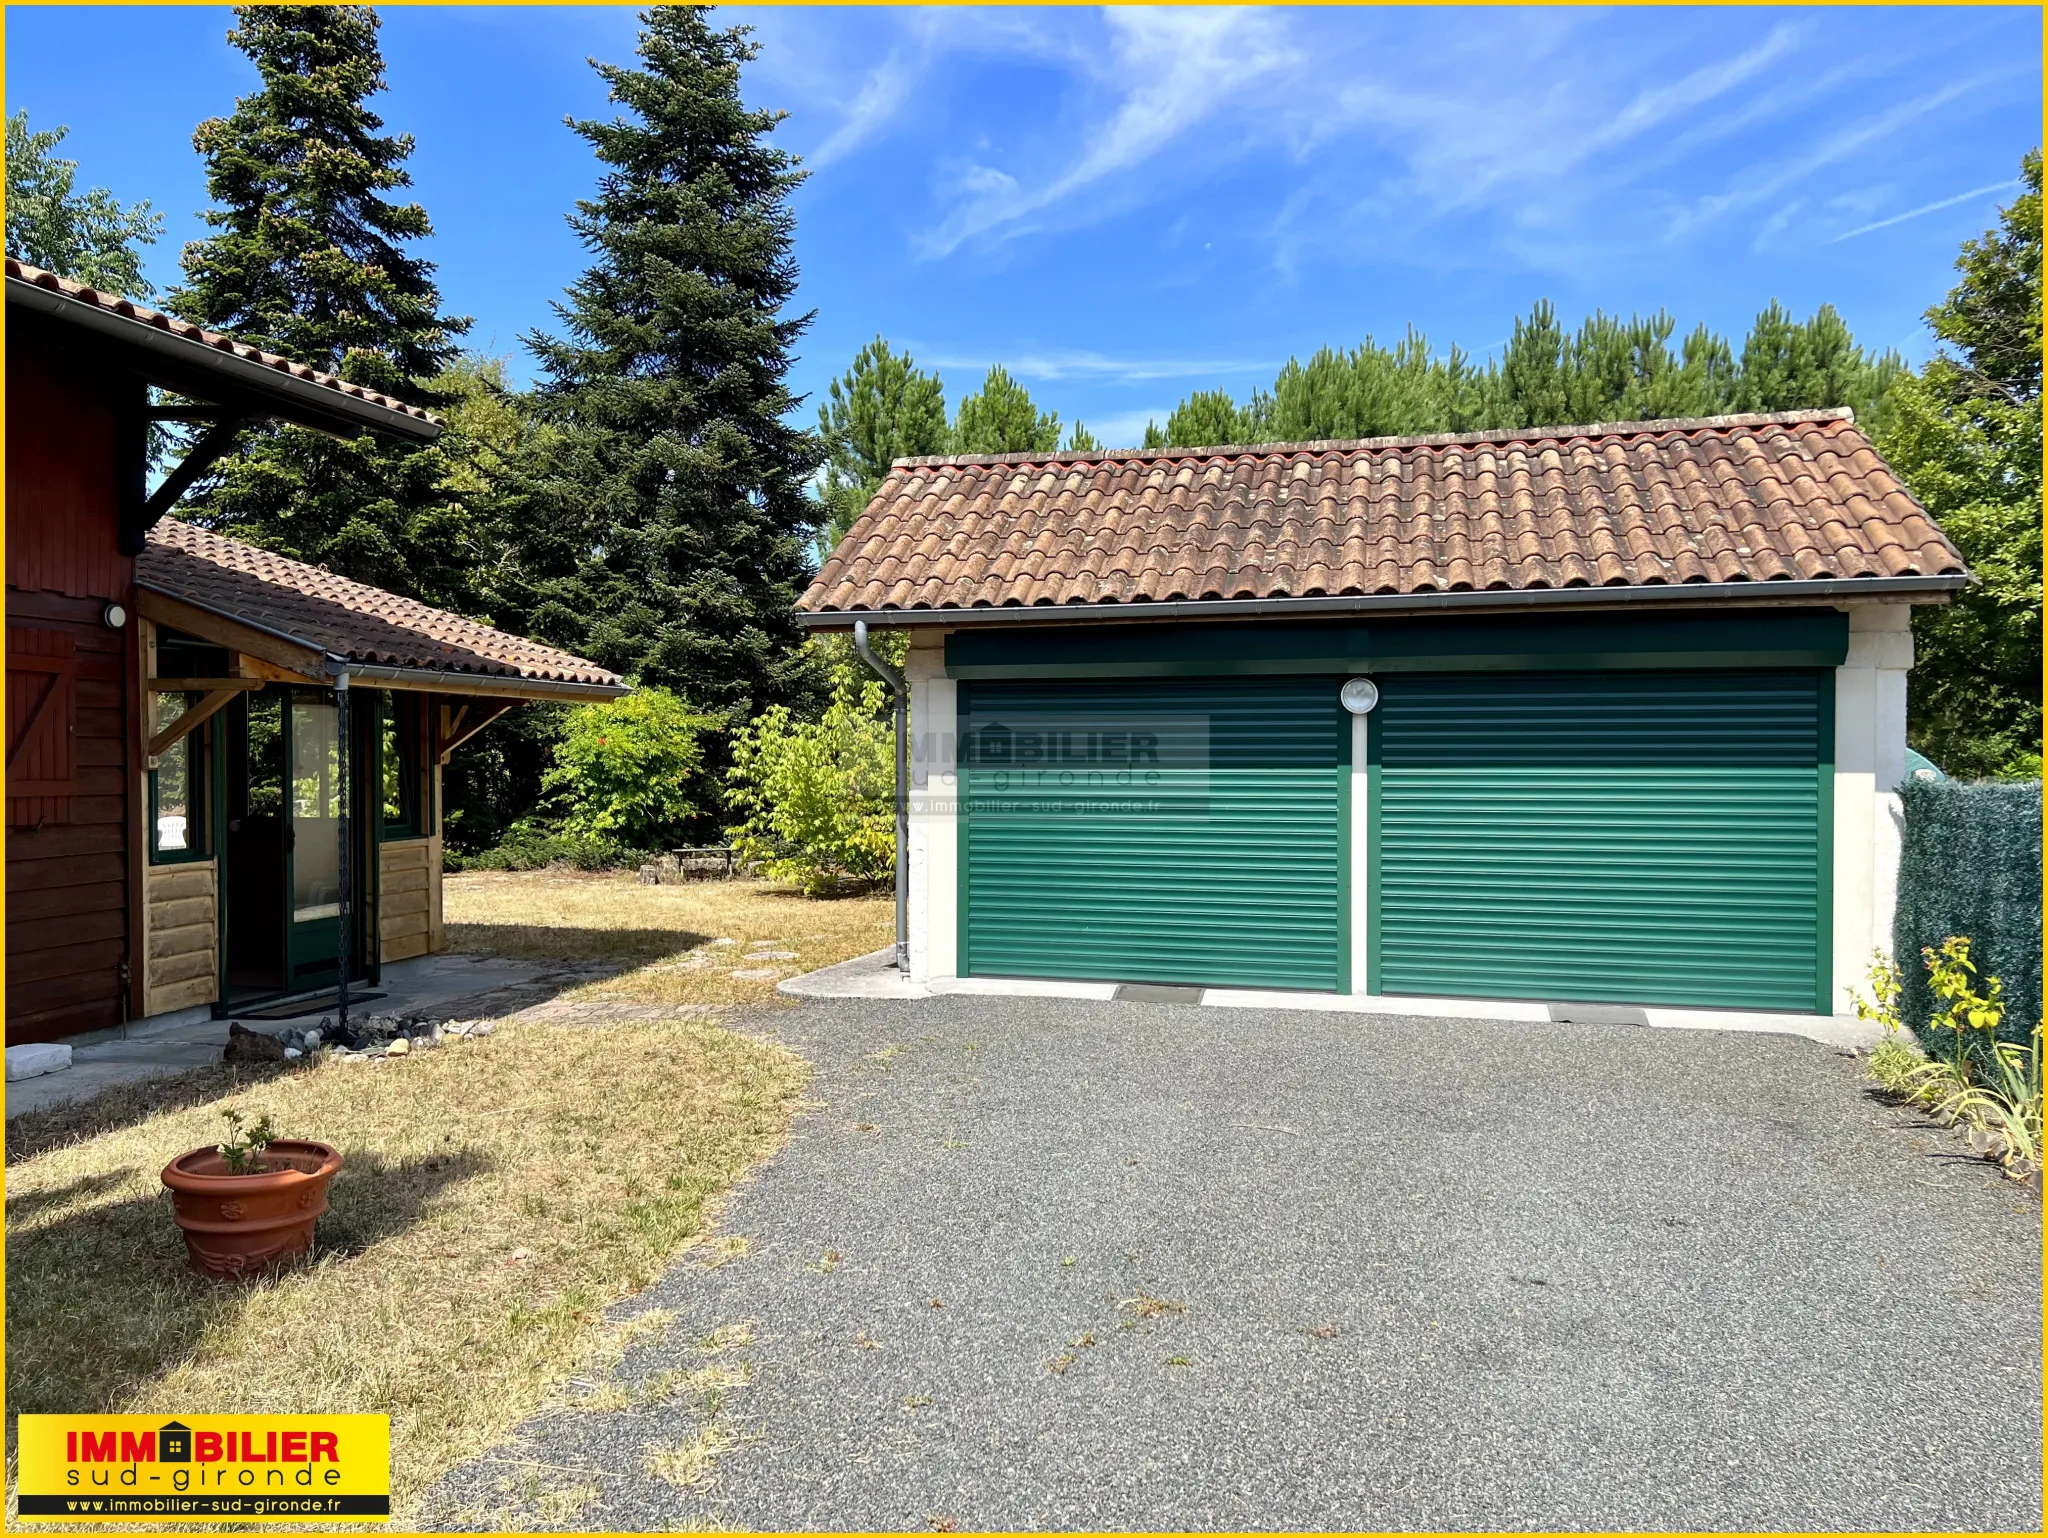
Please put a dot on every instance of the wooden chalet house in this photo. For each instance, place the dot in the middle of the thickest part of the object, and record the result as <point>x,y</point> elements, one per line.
<point>223,773</point>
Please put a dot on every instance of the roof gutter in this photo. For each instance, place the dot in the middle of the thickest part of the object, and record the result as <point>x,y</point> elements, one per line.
<point>1933,589</point>
<point>447,681</point>
<point>314,400</point>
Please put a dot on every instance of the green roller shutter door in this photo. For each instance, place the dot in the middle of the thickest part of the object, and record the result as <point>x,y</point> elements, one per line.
<point>1168,831</point>
<point>1655,838</point>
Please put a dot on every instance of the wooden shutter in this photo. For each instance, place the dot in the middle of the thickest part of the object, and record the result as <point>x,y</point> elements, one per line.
<point>42,723</point>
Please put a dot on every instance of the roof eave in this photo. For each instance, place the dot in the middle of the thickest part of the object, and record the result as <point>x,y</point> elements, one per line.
<point>188,364</point>
<point>448,681</point>
<point>1915,589</point>
<point>440,680</point>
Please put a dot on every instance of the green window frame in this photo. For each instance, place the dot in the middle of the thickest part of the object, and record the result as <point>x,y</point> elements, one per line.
<point>405,809</point>
<point>180,787</point>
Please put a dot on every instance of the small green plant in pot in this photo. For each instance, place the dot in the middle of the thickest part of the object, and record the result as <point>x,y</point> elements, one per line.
<point>249,1202</point>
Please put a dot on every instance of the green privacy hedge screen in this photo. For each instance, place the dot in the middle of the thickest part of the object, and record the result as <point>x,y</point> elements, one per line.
<point>1970,864</point>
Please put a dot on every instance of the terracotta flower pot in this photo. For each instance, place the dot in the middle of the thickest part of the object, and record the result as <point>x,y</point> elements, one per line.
<point>237,1225</point>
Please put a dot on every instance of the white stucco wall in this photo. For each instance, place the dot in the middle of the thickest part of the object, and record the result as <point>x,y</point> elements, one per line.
<point>934,820</point>
<point>1870,761</point>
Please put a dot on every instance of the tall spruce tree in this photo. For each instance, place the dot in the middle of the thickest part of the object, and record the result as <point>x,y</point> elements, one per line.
<point>310,260</point>
<point>662,525</point>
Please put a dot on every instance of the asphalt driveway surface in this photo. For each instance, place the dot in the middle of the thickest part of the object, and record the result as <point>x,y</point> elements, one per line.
<point>1051,1264</point>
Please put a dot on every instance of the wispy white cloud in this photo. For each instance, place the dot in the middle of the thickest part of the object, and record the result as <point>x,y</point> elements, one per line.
<point>1176,69</point>
<point>1126,429</point>
<point>1076,364</point>
<point>1761,182</point>
<point>1925,208</point>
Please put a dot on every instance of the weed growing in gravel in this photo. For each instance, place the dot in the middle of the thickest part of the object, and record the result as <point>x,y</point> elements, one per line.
<point>689,1463</point>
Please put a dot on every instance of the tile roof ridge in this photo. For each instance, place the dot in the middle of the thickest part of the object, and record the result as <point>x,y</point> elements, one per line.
<point>129,309</point>
<point>1503,435</point>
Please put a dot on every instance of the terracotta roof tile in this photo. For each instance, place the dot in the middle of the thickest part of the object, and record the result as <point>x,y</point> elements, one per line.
<point>1790,496</point>
<point>114,304</point>
<point>348,619</point>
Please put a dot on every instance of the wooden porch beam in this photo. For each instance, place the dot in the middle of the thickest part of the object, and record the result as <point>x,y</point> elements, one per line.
<point>193,716</point>
<point>303,664</point>
<point>200,685</point>
<point>212,444</point>
<point>455,733</point>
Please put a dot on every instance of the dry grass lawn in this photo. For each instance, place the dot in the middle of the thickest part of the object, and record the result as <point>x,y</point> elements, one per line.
<point>498,1194</point>
<point>683,943</point>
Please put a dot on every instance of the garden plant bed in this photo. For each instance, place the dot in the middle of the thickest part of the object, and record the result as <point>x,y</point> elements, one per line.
<point>497,1197</point>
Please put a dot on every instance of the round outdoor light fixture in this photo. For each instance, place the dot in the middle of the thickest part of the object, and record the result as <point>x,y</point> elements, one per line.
<point>114,616</point>
<point>1359,695</point>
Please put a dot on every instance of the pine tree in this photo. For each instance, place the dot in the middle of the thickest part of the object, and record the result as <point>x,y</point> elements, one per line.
<point>1206,419</point>
<point>1965,436</point>
<point>310,261</point>
<point>661,526</point>
<point>87,236</point>
<point>882,409</point>
<point>1002,420</point>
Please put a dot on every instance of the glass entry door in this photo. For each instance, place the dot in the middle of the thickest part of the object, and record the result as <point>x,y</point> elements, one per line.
<point>314,802</point>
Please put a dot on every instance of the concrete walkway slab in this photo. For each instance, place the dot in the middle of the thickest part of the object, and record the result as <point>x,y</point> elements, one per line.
<point>191,1038</point>
<point>874,976</point>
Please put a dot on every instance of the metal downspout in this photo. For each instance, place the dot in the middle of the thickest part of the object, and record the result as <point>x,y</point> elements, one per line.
<point>342,894</point>
<point>894,680</point>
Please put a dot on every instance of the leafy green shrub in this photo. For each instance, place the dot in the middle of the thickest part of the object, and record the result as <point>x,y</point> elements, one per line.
<point>1991,1085</point>
<point>818,797</point>
<point>529,846</point>
<point>625,770</point>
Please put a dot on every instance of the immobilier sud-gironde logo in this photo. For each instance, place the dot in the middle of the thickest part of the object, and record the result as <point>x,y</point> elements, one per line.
<point>201,1468</point>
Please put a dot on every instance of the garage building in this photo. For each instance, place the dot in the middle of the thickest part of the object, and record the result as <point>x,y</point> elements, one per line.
<point>1607,713</point>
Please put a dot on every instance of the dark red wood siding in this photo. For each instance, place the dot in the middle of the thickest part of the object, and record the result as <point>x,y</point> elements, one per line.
<point>70,863</point>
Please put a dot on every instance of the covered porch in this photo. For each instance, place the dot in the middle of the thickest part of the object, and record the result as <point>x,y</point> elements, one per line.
<point>296,729</point>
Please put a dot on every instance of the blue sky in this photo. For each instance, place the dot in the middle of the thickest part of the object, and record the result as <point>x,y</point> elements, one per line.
<point>1129,204</point>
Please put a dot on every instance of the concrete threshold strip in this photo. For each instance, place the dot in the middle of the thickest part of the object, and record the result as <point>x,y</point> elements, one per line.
<point>874,976</point>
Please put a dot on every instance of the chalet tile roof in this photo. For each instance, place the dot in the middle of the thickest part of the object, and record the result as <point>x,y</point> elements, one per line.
<point>114,304</point>
<point>1790,496</point>
<point>348,619</point>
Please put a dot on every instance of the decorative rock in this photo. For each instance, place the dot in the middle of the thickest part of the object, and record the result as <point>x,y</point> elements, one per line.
<point>247,1046</point>
<point>398,1048</point>
<point>755,974</point>
<point>482,1028</point>
<point>292,1052</point>
<point>312,1040</point>
<point>33,1059</point>
<point>722,941</point>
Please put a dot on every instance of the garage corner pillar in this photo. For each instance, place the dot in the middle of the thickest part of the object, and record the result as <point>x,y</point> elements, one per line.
<point>934,810</point>
<point>1870,763</point>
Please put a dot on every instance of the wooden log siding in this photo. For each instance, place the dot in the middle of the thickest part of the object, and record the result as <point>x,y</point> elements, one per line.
<point>405,897</point>
<point>183,963</point>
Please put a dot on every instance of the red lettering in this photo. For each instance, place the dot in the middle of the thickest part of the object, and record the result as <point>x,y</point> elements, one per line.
<point>326,1444</point>
<point>295,1447</point>
<point>96,1449</point>
<point>70,1447</point>
<point>269,1447</point>
<point>206,1446</point>
<point>138,1449</point>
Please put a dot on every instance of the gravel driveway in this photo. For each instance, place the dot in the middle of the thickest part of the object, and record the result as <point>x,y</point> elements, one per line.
<point>1050,1264</point>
